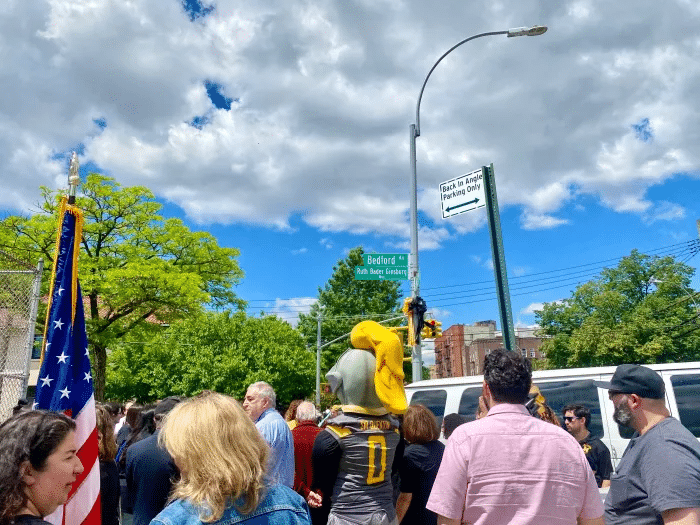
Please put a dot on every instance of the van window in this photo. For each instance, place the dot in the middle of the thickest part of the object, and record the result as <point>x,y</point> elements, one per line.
<point>687,391</point>
<point>558,394</point>
<point>434,400</point>
<point>468,403</point>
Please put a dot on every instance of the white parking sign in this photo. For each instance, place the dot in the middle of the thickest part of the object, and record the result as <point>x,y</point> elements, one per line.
<point>462,194</point>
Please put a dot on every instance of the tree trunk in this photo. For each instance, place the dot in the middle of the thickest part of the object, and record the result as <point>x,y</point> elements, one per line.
<point>100,371</point>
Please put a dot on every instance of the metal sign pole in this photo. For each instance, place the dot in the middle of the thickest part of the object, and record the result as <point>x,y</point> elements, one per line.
<point>499,259</point>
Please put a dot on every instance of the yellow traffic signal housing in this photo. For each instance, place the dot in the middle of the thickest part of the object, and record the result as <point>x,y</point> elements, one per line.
<point>431,329</point>
<point>437,329</point>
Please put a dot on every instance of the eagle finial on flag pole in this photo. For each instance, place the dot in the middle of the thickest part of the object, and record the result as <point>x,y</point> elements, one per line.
<point>73,178</point>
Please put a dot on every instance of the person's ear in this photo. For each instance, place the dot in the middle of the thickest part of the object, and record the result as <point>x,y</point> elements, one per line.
<point>486,393</point>
<point>27,473</point>
<point>635,401</point>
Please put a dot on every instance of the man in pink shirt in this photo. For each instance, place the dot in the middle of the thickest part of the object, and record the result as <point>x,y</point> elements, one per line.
<point>510,467</point>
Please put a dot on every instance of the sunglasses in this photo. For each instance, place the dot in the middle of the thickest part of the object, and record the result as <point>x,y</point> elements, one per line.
<point>570,419</point>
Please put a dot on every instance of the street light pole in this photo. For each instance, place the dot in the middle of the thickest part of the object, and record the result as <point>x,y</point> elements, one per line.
<point>414,132</point>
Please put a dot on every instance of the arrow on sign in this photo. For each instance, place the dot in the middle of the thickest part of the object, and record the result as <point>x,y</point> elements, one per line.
<point>450,208</point>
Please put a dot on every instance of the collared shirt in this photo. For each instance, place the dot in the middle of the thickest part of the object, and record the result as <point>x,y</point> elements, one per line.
<point>275,431</point>
<point>510,467</point>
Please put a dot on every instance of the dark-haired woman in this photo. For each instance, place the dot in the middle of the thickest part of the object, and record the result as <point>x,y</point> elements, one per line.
<point>38,466</point>
<point>421,461</point>
<point>109,473</point>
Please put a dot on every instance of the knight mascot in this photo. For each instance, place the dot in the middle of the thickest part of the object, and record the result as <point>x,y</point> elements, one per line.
<point>354,455</point>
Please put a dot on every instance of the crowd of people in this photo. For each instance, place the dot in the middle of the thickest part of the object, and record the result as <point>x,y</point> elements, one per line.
<point>211,459</point>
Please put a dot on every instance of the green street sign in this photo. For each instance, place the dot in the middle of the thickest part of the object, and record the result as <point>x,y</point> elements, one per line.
<point>381,273</point>
<point>385,259</point>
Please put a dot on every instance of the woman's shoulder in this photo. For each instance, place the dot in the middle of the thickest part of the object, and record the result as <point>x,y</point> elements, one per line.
<point>280,505</point>
<point>179,512</point>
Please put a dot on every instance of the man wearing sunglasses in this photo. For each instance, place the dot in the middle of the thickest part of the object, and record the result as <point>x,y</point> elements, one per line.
<point>577,418</point>
<point>658,478</point>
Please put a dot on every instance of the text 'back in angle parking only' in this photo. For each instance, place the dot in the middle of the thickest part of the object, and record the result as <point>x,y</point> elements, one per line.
<point>462,194</point>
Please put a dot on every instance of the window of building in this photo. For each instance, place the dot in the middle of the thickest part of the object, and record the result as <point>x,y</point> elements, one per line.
<point>687,391</point>
<point>524,352</point>
<point>434,400</point>
<point>532,353</point>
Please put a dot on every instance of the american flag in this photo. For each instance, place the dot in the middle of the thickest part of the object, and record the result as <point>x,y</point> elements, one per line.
<point>65,380</point>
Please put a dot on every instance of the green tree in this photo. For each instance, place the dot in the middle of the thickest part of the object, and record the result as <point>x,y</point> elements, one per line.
<point>137,269</point>
<point>642,311</point>
<point>343,302</point>
<point>224,352</point>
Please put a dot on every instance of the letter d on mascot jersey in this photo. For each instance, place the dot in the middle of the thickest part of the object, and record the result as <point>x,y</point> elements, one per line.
<point>368,379</point>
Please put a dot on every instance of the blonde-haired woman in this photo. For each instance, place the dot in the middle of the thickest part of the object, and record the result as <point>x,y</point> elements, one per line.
<point>222,460</point>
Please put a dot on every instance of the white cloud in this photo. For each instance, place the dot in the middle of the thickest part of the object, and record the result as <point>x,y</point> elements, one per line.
<point>299,251</point>
<point>440,314</point>
<point>428,352</point>
<point>326,243</point>
<point>664,211</point>
<point>321,104</point>
<point>540,221</point>
<point>519,271</point>
<point>289,309</point>
<point>530,309</point>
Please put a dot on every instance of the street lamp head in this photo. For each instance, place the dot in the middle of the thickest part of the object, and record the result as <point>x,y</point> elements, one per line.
<point>527,31</point>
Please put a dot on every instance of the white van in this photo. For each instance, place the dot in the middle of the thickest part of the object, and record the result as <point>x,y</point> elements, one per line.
<point>571,386</point>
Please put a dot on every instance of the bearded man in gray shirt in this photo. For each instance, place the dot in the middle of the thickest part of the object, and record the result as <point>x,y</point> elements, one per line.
<point>658,478</point>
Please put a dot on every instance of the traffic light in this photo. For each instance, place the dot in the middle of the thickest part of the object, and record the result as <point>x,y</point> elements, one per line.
<point>411,306</point>
<point>437,329</point>
<point>431,329</point>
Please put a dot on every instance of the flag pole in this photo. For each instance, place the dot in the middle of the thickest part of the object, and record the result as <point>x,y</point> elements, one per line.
<point>73,178</point>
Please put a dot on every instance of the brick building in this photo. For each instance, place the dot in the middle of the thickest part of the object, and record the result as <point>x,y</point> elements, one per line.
<point>461,349</point>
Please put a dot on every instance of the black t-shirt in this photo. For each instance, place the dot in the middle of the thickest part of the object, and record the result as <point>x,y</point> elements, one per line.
<point>598,457</point>
<point>418,471</point>
<point>28,519</point>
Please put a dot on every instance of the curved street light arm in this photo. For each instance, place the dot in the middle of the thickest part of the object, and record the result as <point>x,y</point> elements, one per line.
<point>420,95</point>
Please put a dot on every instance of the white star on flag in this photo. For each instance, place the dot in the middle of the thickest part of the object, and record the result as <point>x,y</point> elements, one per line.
<point>65,393</point>
<point>58,324</point>
<point>62,358</point>
<point>46,381</point>
<point>87,352</point>
<point>87,377</point>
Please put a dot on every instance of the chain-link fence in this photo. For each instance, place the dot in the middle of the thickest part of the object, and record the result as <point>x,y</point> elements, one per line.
<point>19,297</point>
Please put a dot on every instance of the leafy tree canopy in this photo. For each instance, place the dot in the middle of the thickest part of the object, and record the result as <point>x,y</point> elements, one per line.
<point>224,352</point>
<point>136,268</point>
<point>642,311</point>
<point>343,302</point>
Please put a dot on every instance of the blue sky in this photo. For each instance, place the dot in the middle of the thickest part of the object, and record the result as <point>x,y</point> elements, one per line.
<point>282,128</point>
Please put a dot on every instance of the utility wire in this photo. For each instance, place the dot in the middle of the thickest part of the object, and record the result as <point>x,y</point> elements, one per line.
<point>564,280</point>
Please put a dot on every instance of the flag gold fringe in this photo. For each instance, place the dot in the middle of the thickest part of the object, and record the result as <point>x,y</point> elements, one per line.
<point>77,212</point>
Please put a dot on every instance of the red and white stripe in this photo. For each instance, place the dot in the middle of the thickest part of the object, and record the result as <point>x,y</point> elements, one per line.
<point>83,505</point>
